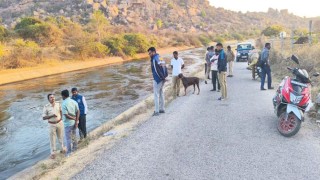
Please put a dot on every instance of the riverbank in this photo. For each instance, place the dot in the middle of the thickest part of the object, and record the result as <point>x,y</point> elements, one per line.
<point>99,140</point>
<point>57,67</point>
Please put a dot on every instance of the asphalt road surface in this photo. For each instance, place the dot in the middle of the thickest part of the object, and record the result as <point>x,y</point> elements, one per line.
<point>200,137</point>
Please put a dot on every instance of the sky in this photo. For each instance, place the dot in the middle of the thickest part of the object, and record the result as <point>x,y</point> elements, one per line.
<point>299,8</point>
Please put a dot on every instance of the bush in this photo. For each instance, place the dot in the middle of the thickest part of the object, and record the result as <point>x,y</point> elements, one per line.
<point>219,39</point>
<point>24,53</point>
<point>3,33</point>
<point>237,36</point>
<point>138,41</point>
<point>204,40</point>
<point>129,44</point>
<point>39,31</point>
<point>116,45</point>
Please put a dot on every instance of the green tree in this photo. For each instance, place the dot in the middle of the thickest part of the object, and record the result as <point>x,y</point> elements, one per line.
<point>159,23</point>
<point>42,32</point>
<point>3,33</point>
<point>203,14</point>
<point>273,30</point>
<point>98,23</point>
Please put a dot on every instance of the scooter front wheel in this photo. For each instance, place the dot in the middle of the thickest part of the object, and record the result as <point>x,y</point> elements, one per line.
<point>288,126</point>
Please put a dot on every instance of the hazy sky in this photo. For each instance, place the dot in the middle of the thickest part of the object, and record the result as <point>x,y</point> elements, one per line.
<point>299,8</point>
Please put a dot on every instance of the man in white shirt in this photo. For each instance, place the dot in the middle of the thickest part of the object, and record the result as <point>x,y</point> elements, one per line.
<point>176,64</point>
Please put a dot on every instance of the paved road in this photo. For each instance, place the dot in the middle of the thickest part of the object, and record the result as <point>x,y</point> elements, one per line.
<point>202,138</point>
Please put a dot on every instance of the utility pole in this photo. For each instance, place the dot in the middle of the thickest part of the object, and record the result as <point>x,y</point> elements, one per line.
<point>310,32</point>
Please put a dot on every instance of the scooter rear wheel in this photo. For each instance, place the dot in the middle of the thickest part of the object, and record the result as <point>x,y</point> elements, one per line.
<point>288,126</point>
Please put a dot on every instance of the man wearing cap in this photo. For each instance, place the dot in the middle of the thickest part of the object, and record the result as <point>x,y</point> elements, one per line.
<point>83,107</point>
<point>52,113</point>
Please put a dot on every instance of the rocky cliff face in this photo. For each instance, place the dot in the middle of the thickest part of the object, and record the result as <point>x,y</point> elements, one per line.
<point>175,15</point>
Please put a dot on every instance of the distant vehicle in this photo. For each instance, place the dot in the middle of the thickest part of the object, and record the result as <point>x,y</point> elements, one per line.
<point>243,50</point>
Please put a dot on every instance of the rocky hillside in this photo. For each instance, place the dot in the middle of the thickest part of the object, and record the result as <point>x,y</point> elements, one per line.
<point>173,15</point>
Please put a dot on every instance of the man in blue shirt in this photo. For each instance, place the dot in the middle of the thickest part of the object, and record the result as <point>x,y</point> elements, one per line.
<point>83,112</point>
<point>266,70</point>
<point>159,76</point>
<point>70,118</point>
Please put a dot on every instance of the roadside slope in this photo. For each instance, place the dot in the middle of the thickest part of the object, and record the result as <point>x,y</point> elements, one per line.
<point>201,138</point>
<point>15,75</point>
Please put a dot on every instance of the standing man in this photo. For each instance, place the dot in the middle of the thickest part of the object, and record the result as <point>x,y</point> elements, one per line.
<point>83,111</point>
<point>265,66</point>
<point>52,113</point>
<point>222,68</point>
<point>230,59</point>
<point>208,57</point>
<point>159,77</point>
<point>70,117</point>
<point>176,65</point>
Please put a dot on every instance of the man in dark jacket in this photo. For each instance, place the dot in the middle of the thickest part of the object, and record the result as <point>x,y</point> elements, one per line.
<point>222,69</point>
<point>266,70</point>
<point>159,74</point>
<point>83,112</point>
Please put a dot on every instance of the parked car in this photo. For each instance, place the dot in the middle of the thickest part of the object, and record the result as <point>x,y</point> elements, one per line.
<point>243,51</point>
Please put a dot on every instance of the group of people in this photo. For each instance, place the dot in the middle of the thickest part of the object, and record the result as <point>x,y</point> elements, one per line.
<point>64,119</point>
<point>216,62</point>
<point>262,61</point>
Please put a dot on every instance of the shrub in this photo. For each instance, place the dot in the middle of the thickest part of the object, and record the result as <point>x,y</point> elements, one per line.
<point>193,41</point>
<point>159,23</point>
<point>23,53</point>
<point>39,31</point>
<point>116,45</point>
<point>203,14</point>
<point>219,39</point>
<point>204,40</point>
<point>273,30</point>
<point>237,36</point>
<point>3,33</point>
<point>138,41</point>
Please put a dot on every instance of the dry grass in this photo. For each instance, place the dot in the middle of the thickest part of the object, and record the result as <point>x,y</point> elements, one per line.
<point>309,57</point>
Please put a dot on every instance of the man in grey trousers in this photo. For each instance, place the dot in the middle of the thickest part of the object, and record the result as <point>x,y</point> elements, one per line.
<point>159,73</point>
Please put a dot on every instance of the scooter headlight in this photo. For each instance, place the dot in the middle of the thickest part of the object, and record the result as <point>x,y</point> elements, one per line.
<point>238,54</point>
<point>295,99</point>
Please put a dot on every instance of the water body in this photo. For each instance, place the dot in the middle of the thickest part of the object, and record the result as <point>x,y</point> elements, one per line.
<point>109,90</point>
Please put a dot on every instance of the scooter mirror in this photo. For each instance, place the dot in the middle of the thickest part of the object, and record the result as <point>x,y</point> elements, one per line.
<point>295,59</point>
<point>316,74</point>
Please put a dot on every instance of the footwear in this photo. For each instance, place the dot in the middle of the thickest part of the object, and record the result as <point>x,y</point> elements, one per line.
<point>177,95</point>
<point>263,89</point>
<point>221,99</point>
<point>155,114</point>
<point>271,88</point>
<point>229,76</point>
<point>249,68</point>
<point>52,156</point>
<point>63,151</point>
<point>162,111</point>
<point>218,90</point>
<point>212,90</point>
<point>205,82</point>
